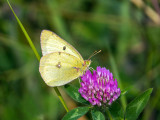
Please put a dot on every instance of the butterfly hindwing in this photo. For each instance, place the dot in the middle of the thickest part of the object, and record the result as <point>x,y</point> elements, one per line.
<point>60,68</point>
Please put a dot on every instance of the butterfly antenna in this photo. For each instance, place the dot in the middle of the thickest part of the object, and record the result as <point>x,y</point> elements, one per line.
<point>95,52</point>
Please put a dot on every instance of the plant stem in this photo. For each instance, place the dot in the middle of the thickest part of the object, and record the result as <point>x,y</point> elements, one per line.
<point>153,15</point>
<point>25,33</point>
<point>109,115</point>
<point>115,72</point>
<point>61,99</point>
<point>36,53</point>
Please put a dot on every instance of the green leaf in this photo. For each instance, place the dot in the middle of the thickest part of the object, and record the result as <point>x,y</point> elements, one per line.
<point>97,115</point>
<point>136,106</point>
<point>74,94</point>
<point>76,113</point>
<point>116,111</point>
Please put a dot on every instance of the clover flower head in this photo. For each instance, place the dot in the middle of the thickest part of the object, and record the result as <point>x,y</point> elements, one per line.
<point>100,87</point>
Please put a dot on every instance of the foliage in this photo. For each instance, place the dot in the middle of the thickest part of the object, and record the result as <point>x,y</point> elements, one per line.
<point>130,46</point>
<point>115,111</point>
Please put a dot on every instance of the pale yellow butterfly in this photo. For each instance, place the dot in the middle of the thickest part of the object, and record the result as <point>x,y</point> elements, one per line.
<point>61,62</point>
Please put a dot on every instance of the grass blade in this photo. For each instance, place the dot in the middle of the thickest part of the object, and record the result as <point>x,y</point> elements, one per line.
<point>25,33</point>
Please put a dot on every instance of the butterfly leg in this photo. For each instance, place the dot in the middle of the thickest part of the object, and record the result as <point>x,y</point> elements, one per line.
<point>90,68</point>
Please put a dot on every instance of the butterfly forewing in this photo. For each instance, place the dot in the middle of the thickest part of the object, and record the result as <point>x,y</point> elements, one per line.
<point>59,68</point>
<point>50,42</point>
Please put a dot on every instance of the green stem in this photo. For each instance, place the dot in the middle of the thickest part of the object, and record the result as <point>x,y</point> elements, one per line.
<point>109,114</point>
<point>25,33</point>
<point>36,53</point>
<point>115,72</point>
<point>61,99</point>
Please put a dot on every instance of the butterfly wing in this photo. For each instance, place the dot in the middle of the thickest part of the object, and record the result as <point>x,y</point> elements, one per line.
<point>50,42</point>
<point>60,68</point>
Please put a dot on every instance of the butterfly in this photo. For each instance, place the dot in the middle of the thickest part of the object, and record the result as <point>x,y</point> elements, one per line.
<point>60,63</point>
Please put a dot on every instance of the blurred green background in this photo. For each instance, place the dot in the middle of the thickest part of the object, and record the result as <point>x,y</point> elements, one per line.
<point>128,38</point>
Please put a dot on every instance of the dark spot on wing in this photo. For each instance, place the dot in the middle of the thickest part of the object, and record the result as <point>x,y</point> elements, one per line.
<point>64,47</point>
<point>58,65</point>
<point>59,53</point>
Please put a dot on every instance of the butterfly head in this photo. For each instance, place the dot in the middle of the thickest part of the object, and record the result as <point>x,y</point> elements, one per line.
<point>87,63</point>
